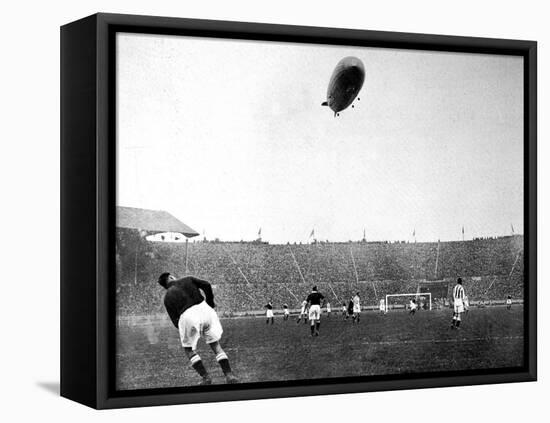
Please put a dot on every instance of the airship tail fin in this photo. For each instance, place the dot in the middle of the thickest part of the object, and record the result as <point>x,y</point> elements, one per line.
<point>324,103</point>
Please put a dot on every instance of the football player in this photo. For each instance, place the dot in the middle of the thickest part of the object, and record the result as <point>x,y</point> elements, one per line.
<point>303,312</point>
<point>458,303</point>
<point>269,313</point>
<point>195,318</point>
<point>314,300</point>
<point>356,308</point>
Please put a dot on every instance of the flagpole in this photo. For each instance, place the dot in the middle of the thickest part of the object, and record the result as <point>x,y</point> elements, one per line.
<point>186,254</point>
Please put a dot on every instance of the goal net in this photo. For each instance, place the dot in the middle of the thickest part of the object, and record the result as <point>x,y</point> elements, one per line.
<point>423,301</point>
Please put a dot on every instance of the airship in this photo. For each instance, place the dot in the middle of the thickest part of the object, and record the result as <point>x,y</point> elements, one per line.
<point>345,83</point>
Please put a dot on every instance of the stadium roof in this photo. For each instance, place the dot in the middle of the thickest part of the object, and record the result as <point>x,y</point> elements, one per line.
<point>153,221</point>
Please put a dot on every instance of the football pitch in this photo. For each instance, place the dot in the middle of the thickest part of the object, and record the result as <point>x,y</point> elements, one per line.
<point>149,355</point>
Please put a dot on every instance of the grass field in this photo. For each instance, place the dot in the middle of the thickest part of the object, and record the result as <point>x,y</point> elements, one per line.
<point>149,355</point>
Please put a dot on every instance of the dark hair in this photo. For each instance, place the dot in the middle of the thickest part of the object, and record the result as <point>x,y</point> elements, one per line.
<point>459,280</point>
<point>163,280</point>
<point>315,288</point>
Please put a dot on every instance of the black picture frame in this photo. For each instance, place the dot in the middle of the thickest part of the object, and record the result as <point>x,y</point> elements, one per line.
<point>88,208</point>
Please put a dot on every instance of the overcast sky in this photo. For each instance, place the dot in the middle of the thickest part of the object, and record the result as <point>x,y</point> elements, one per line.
<point>229,136</point>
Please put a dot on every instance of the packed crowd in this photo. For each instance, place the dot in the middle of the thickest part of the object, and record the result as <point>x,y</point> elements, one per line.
<point>246,275</point>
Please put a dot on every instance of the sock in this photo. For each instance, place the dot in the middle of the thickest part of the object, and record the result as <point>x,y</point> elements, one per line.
<point>196,362</point>
<point>317,325</point>
<point>223,361</point>
<point>457,324</point>
<point>312,329</point>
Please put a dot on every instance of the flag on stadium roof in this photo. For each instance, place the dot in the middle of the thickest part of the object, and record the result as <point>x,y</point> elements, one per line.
<point>152,221</point>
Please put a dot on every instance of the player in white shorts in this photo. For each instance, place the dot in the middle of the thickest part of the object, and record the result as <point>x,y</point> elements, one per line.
<point>382,306</point>
<point>328,309</point>
<point>303,312</point>
<point>269,313</point>
<point>412,306</point>
<point>509,302</point>
<point>458,303</point>
<point>356,308</point>
<point>314,300</point>
<point>195,318</point>
<point>286,312</point>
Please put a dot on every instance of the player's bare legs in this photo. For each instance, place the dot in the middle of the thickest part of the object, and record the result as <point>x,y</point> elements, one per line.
<point>456,321</point>
<point>223,361</point>
<point>314,327</point>
<point>196,362</point>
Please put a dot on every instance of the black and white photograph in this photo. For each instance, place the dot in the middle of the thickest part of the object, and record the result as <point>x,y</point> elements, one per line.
<point>269,212</point>
<point>290,212</point>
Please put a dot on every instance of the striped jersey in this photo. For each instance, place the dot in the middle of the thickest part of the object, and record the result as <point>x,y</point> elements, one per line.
<point>458,292</point>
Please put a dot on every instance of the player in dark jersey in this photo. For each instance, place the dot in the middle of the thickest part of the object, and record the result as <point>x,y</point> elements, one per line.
<point>194,316</point>
<point>269,312</point>
<point>344,311</point>
<point>350,308</point>
<point>314,300</point>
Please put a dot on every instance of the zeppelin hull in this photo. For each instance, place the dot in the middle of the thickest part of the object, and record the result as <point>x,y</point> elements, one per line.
<point>346,82</point>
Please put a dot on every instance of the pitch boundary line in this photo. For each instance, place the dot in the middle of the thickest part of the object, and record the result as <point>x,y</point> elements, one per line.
<point>422,341</point>
<point>443,341</point>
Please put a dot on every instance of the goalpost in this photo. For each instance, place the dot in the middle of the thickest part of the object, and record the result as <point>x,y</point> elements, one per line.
<point>416,295</point>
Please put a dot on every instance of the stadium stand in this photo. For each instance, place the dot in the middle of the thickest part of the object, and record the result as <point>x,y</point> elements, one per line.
<point>246,275</point>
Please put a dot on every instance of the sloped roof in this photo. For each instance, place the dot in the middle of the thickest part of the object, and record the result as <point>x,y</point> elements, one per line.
<point>152,221</point>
